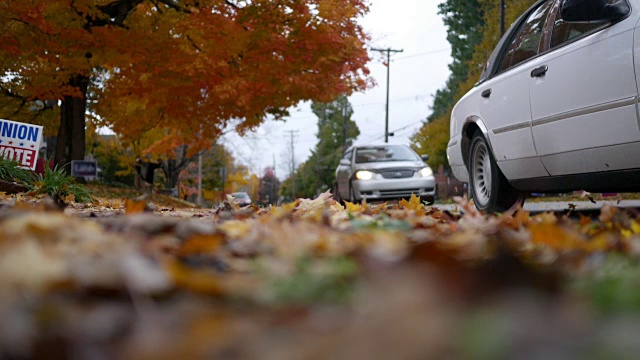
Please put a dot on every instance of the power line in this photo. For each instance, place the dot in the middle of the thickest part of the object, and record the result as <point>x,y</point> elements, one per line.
<point>423,54</point>
<point>394,131</point>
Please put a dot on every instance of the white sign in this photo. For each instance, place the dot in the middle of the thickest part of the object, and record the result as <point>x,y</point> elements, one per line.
<point>20,142</point>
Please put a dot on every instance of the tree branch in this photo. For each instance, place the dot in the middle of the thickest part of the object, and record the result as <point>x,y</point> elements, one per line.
<point>174,6</point>
<point>117,11</point>
<point>232,5</point>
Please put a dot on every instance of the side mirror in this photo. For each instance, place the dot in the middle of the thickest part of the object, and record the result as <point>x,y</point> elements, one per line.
<point>345,162</point>
<point>594,10</point>
<point>424,157</point>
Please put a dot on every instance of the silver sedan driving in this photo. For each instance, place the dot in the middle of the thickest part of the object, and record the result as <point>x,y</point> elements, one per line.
<point>383,172</point>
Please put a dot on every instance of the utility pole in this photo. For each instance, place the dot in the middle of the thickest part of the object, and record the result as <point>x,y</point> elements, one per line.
<point>386,120</point>
<point>345,113</point>
<point>200,179</point>
<point>272,195</point>
<point>293,133</point>
<point>502,17</point>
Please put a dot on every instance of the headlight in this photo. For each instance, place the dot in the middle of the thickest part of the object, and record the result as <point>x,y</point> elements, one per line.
<point>364,175</point>
<point>426,172</point>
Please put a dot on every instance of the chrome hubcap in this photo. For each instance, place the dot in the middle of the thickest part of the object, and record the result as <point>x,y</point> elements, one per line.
<point>481,168</point>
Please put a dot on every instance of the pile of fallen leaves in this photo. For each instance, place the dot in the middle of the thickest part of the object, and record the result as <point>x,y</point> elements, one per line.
<point>313,279</point>
<point>104,193</point>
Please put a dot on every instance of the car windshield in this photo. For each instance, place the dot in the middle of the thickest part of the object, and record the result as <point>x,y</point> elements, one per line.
<point>240,195</point>
<point>385,153</point>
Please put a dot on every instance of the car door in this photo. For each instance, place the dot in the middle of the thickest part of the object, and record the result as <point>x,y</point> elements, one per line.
<point>343,174</point>
<point>505,106</point>
<point>584,97</point>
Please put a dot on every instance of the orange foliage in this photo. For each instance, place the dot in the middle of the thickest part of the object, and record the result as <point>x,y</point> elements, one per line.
<point>190,67</point>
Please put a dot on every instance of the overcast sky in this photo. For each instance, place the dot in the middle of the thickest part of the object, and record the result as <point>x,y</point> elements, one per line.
<point>411,25</point>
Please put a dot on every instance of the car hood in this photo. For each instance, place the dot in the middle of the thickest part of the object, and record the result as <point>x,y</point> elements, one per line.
<point>390,165</point>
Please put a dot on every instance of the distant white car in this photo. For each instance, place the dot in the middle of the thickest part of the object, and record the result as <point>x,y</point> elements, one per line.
<point>380,172</point>
<point>242,197</point>
<point>556,108</point>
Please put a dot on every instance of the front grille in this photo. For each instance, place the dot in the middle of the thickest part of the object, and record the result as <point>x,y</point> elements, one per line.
<point>399,192</point>
<point>397,174</point>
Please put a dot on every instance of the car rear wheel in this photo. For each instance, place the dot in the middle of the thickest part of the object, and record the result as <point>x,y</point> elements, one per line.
<point>334,191</point>
<point>352,195</point>
<point>488,187</point>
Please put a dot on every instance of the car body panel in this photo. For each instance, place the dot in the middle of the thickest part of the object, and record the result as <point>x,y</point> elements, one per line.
<point>567,120</point>
<point>582,113</point>
<point>510,136</point>
<point>454,156</point>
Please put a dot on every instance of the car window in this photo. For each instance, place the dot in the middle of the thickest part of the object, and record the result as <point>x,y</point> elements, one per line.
<point>526,42</point>
<point>385,153</point>
<point>564,31</point>
<point>347,155</point>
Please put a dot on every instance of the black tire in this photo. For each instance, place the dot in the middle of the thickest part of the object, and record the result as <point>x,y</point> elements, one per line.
<point>336,194</point>
<point>352,195</point>
<point>430,199</point>
<point>488,187</point>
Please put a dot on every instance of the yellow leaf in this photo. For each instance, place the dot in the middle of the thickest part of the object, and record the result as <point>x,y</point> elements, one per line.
<point>279,212</point>
<point>351,207</point>
<point>199,244</point>
<point>413,204</point>
<point>561,239</point>
<point>236,229</point>
<point>200,281</point>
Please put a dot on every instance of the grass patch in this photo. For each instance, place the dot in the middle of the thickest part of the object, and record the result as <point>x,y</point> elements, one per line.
<point>317,281</point>
<point>57,182</point>
<point>11,171</point>
<point>614,287</point>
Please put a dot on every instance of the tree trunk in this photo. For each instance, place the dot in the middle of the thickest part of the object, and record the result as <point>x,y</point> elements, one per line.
<point>71,133</point>
<point>173,167</point>
<point>171,173</point>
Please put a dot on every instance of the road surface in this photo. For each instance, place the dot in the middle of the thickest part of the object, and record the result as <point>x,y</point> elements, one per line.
<point>542,206</point>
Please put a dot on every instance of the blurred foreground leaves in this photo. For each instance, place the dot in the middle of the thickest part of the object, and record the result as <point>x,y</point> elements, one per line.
<point>314,279</point>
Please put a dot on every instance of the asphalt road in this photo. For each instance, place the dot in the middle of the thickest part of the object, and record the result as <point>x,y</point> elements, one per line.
<point>555,206</point>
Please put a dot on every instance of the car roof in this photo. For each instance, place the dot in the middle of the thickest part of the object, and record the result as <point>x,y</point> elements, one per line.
<point>376,145</point>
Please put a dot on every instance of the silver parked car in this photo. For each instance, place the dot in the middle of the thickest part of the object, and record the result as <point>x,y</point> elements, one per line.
<point>556,107</point>
<point>383,172</point>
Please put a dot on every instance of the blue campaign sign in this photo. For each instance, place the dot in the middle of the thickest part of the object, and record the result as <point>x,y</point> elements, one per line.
<point>84,168</point>
<point>20,142</point>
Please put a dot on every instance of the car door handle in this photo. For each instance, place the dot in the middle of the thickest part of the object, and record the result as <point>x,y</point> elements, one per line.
<point>539,71</point>
<point>486,93</point>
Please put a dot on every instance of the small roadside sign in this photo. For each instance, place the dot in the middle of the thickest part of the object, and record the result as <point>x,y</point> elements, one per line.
<point>84,168</point>
<point>20,142</point>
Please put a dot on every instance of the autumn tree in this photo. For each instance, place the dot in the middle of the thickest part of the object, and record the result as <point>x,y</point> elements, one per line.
<point>181,65</point>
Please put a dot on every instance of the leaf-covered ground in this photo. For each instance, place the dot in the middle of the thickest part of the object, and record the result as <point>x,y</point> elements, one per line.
<point>313,280</point>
